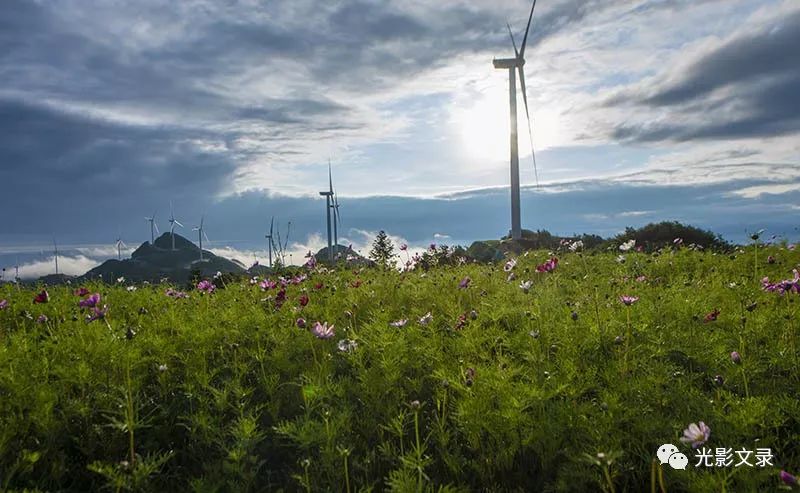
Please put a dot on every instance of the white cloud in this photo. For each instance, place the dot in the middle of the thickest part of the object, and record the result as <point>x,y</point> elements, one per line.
<point>71,266</point>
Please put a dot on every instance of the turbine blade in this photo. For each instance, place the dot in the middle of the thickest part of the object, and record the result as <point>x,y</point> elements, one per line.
<point>271,224</point>
<point>512,39</point>
<point>206,237</point>
<point>176,222</point>
<point>202,218</point>
<point>528,117</point>
<point>156,228</point>
<point>525,39</point>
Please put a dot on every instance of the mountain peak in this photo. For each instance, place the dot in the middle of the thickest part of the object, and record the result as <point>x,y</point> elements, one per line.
<point>165,243</point>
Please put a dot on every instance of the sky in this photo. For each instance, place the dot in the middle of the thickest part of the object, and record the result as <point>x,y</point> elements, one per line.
<point>641,111</point>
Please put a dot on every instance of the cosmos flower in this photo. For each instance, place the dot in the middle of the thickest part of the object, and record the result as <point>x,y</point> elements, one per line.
<point>90,302</point>
<point>347,345</point>
<point>303,300</point>
<point>510,265</point>
<point>525,286</point>
<point>711,316</point>
<point>736,358</point>
<point>206,286</point>
<point>319,286</point>
<point>511,277</point>
<point>399,323</point>
<point>628,300</point>
<point>356,283</point>
<point>548,266</point>
<point>782,287</point>
<point>464,284</point>
<point>162,368</point>
<point>42,319</point>
<point>3,304</point>
<point>268,284</point>
<point>323,331</point>
<point>172,293</point>
<point>641,278</point>
<point>131,289</point>
<point>81,292</point>
<point>677,241</point>
<point>771,259</point>
<point>696,434</point>
<point>403,247</point>
<point>621,259</point>
<point>301,323</point>
<point>426,319</point>
<point>627,245</point>
<point>42,297</point>
<point>120,280</point>
<point>576,245</point>
<point>97,314</point>
<point>789,479</point>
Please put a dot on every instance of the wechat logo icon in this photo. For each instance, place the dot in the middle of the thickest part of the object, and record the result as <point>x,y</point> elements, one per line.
<point>669,454</point>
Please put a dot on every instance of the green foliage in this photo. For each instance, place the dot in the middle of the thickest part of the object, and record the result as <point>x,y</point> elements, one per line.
<point>559,387</point>
<point>382,252</point>
<point>659,235</point>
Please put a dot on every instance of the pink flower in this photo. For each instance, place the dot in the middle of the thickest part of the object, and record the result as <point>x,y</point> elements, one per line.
<point>696,434</point>
<point>42,319</point>
<point>81,292</point>
<point>42,297</point>
<point>788,479</point>
<point>311,262</point>
<point>97,314</point>
<point>548,266</point>
<point>90,302</point>
<point>268,284</point>
<point>303,300</point>
<point>175,294</point>
<point>301,323</point>
<point>3,304</point>
<point>319,286</point>
<point>712,316</point>
<point>206,287</point>
<point>403,247</point>
<point>736,358</point>
<point>628,300</point>
<point>641,279</point>
<point>323,331</point>
<point>464,284</point>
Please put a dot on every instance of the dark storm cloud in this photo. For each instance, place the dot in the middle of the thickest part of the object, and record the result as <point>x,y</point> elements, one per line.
<point>757,75</point>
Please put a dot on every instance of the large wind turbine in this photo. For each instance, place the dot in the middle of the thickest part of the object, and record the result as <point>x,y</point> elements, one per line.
<point>120,245</point>
<point>515,65</point>
<point>153,227</point>
<point>269,239</point>
<point>335,207</point>
<point>328,195</point>
<point>200,235</point>
<point>172,223</point>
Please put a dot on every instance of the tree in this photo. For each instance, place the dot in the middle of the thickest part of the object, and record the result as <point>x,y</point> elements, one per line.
<point>382,252</point>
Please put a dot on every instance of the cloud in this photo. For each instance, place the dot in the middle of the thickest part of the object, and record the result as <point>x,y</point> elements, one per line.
<point>71,266</point>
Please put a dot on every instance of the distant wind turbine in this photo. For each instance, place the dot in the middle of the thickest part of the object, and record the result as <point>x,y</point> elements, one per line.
<point>153,227</point>
<point>55,251</point>
<point>514,65</point>
<point>120,245</point>
<point>201,233</point>
<point>335,207</point>
<point>328,195</point>
<point>172,223</point>
<point>269,239</point>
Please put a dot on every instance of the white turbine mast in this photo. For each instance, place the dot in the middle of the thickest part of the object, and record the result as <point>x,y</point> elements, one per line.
<point>201,233</point>
<point>55,251</point>
<point>328,196</point>
<point>269,239</point>
<point>172,223</point>
<point>515,65</point>
<point>153,227</point>
<point>120,245</point>
<point>336,217</point>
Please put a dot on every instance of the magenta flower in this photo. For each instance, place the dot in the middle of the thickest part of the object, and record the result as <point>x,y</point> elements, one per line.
<point>205,286</point>
<point>42,319</point>
<point>97,314</point>
<point>268,284</point>
<point>782,287</point>
<point>403,247</point>
<point>711,316</point>
<point>789,479</point>
<point>90,302</point>
<point>3,304</point>
<point>81,292</point>
<point>548,266</point>
<point>628,300</point>
<point>303,300</point>
<point>464,284</point>
<point>323,331</point>
<point>696,434</point>
<point>301,323</point>
<point>736,358</point>
<point>42,297</point>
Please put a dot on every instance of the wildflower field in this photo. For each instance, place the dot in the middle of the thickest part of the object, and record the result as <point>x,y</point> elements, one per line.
<point>552,371</point>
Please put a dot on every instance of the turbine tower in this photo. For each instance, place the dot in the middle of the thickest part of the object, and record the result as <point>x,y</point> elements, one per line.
<point>515,65</point>
<point>335,207</point>
<point>120,245</point>
<point>200,235</point>
<point>269,239</point>
<point>328,195</point>
<point>172,223</point>
<point>153,228</point>
<point>55,251</point>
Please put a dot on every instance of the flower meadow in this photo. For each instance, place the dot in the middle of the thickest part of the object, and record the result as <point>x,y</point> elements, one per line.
<point>566,376</point>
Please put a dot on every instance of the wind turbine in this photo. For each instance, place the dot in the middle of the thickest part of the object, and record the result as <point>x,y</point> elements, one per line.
<point>120,245</point>
<point>328,195</point>
<point>514,65</point>
<point>201,234</point>
<point>153,227</point>
<point>172,223</point>
<point>269,239</point>
<point>335,207</point>
<point>55,251</point>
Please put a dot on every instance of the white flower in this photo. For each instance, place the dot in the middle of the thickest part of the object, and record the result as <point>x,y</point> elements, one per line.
<point>525,286</point>
<point>218,275</point>
<point>162,367</point>
<point>120,280</point>
<point>621,259</point>
<point>627,245</point>
<point>131,289</point>
<point>511,277</point>
<point>426,319</point>
<point>510,265</point>
<point>576,245</point>
<point>400,323</point>
<point>347,345</point>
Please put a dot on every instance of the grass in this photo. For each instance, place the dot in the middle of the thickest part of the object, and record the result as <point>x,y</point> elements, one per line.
<point>223,391</point>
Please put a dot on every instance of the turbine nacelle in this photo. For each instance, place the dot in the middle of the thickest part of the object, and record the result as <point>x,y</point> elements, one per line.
<point>508,63</point>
